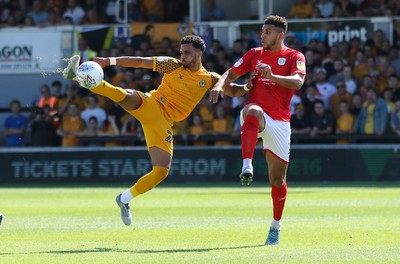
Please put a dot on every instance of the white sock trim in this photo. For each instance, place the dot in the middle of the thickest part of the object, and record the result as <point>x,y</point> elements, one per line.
<point>126,196</point>
<point>247,163</point>
<point>276,224</point>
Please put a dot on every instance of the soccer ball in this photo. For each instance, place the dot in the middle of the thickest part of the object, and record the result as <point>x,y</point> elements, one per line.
<point>89,74</point>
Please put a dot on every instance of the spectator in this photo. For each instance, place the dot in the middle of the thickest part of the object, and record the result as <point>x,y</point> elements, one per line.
<point>337,98</point>
<point>180,129</point>
<point>54,18</point>
<point>131,127</point>
<point>42,130</point>
<point>394,85</point>
<point>93,110</point>
<point>197,129</point>
<point>92,129</point>
<point>360,65</point>
<point>56,87</point>
<point>85,51</point>
<point>337,74</point>
<point>15,126</point>
<point>212,12</point>
<point>28,22</point>
<point>356,104</point>
<point>345,121</point>
<point>395,119</point>
<point>395,63</point>
<point>38,15</point>
<point>326,7</point>
<point>206,111</point>
<point>221,125</point>
<point>310,99</point>
<point>46,98</point>
<point>387,95</point>
<point>324,89</point>
<point>372,119</point>
<point>146,36</point>
<point>154,9</point>
<point>315,12</point>
<point>71,97</point>
<point>349,80</point>
<point>300,122</point>
<point>111,129</point>
<point>348,8</point>
<point>296,99</point>
<point>75,12</point>
<point>237,106</point>
<point>71,127</point>
<point>384,72</point>
<point>322,122</point>
<point>301,9</point>
<point>92,17</point>
<point>329,61</point>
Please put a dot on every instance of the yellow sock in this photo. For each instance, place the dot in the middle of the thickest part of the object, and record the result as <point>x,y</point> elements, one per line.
<point>149,181</point>
<point>115,93</point>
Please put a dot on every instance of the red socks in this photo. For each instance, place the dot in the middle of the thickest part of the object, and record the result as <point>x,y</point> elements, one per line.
<point>278,199</point>
<point>249,136</point>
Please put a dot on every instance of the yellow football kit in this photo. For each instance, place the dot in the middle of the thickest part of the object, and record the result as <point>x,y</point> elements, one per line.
<point>178,94</point>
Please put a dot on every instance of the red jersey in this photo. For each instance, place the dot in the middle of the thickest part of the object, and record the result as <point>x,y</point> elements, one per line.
<point>273,98</point>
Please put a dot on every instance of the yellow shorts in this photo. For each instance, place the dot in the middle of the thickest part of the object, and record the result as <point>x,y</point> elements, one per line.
<point>156,125</point>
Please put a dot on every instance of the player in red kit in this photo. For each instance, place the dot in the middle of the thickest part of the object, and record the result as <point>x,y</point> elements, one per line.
<point>277,71</point>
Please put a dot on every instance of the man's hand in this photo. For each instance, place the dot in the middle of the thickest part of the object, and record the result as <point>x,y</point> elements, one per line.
<point>250,81</point>
<point>264,69</point>
<point>104,62</point>
<point>215,92</point>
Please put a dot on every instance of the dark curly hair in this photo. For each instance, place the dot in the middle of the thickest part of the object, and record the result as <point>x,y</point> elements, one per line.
<point>196,41</point>
<point>277,21</point>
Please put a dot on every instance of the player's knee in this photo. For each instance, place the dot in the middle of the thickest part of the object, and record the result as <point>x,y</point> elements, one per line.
<point>161,172</point>
<point>255,111</point>
<point>277,179</point>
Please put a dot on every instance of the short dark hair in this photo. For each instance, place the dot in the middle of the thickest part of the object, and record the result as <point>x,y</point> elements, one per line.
<point>15,101</point>
<point>56,83</point>
<point>277,21</point>
<point>196,41</point>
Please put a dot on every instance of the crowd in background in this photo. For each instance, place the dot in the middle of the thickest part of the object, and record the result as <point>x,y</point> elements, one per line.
<point>351,87</point>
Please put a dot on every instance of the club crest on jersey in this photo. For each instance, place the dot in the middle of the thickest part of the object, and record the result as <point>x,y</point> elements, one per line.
<point>202,83</point>
<point>281,61</point>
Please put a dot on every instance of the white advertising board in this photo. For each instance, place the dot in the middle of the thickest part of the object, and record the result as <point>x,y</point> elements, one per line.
<point>25,51</point>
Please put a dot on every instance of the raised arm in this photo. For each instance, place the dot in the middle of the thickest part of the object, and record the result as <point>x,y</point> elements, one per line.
<point>226,86</point>
<point>126,61</point>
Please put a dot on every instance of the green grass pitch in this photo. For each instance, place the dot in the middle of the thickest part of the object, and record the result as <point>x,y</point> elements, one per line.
<point>201,223</point>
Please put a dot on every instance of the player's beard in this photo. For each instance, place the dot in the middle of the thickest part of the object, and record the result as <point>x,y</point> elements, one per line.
<point>268,46</point>
<point>186,64</point>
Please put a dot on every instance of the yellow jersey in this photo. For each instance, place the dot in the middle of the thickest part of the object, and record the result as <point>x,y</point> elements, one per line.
<point>181,89</point>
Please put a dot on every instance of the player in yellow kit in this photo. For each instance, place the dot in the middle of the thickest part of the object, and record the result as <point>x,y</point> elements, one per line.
<point>184,83</point>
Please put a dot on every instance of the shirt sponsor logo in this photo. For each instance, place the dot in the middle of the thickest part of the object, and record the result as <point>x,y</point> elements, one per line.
<point>281,61</point>
<point>300,65</point>
<point>238,63</point>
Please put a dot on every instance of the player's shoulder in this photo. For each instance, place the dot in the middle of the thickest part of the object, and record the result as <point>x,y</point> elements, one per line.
<point>213,76</point>
<point>166,64</point>
<point>292,52</point>
<point>256,50</point>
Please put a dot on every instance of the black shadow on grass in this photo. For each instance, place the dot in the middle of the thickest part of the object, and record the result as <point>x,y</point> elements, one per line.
<point>101,250</point>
